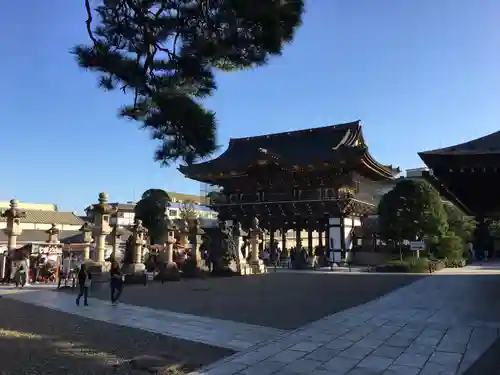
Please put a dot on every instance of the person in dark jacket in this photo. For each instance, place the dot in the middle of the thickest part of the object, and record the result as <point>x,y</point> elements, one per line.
<point>84,281</point>
<point>115,282</point>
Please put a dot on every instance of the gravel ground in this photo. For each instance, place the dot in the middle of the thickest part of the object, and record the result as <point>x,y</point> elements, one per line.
<point>280,300</point>
<point>35,340</point>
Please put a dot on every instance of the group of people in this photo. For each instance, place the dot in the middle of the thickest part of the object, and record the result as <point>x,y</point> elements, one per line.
<point>116,279</point>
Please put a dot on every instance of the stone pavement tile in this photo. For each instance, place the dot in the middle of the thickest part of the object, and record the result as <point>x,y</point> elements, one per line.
<point>356,352</point>
<point>302,366</point>
<point>386,351</point>
<point>411,360</point>
<point>446,359</point>
<point>322,354</point>
<point>376,363</point>
<point>363,371</point>
<point>252,357</point>
<point>263,368</point>
<point>409,332</point>
<point>400,341</point>
<point>401,370</point>
<point>340,364</point>
<point>452,347</point>
<point>287,356</point>
<point>437,369</point>
<point>306,346</point>
<point>369,342</point>
<point>383,332</point>
<point>416,348</point>
<point>339,344</point>
<point>225,369</point>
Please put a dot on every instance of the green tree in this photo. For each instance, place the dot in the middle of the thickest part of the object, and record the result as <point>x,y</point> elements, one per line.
<point>412,210</point>
<point>151,210</point>
<point>461,225</point>
<point>164,54</point>
<point>188,210</point>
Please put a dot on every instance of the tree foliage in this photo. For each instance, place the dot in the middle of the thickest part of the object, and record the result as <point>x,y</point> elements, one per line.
<point>463,226</point>
<point>164,53</point>
<point>412,210</point>
<point>188,210</point>
<point>151,210</point>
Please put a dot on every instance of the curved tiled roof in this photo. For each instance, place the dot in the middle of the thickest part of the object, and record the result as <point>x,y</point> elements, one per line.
<point>50,217</point>
<point>288,149</point>
<point>489,144</point>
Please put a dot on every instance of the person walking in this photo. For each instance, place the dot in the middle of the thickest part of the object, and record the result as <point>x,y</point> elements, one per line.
<point>84,282</point>
<point>116,282</point>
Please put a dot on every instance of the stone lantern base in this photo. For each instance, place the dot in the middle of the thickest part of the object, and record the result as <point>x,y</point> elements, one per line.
<point>133,268</point>
<point>257,267</point>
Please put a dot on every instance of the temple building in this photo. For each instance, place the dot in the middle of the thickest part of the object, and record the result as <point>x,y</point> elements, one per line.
<point>39,219</point>
<point>468,174</point>
<point>321,181</point>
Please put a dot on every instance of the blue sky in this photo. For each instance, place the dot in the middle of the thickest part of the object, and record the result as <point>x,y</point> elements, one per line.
<point>419,74</point>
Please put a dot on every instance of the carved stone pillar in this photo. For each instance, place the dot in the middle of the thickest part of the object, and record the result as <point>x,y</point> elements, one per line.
<point>13,228</point>
<point>196,233</point>
<point>256,264</point>
<point>101,213</point>
<point>86,230</point>
<point>170,271</point>
<point>241,249</point>
<point>139,233</point>
<point>184,234</point>
<point>170,241</point>
<point>116,235</point>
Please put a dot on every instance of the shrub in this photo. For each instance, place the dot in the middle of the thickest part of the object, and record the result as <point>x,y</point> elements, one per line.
<point>450,247</point>
<point>455,263</point>
<point>414,265</point>
<point>393,266</point>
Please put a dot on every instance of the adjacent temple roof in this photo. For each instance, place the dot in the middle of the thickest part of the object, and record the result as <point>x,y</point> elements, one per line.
<point>489,144</point>
<point>291,150</point>
<point>49,217</point>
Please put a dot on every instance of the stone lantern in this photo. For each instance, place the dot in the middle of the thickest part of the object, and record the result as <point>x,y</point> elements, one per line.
<point>196,232</point>
<point>255,238</point>
<point>86,230</point>
<point>53,233</point>
<point>13,229</point>
<point>101,212</point>
<point>139,240</point>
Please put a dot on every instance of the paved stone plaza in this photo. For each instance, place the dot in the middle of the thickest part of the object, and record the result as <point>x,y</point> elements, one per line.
<point>438,325</point>
<point>282,300</point>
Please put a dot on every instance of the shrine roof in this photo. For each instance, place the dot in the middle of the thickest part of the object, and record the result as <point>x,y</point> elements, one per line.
<point>489,144</point>
<point>289,149</point>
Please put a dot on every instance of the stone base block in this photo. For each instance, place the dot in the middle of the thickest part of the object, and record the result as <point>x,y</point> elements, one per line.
<point>133,268</point>
<point>170,273</point>
<point>257,267</point>
<point>97,267</point>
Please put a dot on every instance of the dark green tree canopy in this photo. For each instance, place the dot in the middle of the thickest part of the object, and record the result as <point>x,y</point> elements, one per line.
<point>463,226</point>
<point>151,210</point>
<point>164,52</point>
<point>413,209</point>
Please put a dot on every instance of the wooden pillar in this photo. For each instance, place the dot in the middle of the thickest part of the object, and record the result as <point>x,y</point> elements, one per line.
<point>297,237</point>
<point>271,237</point>
<point>310,240</point>
<point>283,240</point>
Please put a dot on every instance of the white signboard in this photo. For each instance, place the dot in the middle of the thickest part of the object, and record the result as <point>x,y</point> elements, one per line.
<point>417,245</point>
